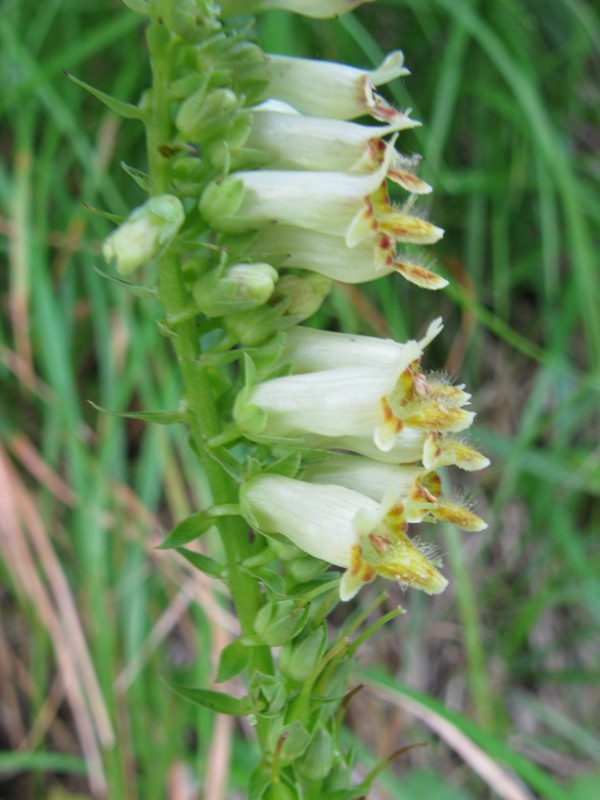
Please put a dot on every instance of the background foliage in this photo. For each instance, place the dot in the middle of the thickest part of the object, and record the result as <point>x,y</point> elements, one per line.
<point>509,94</point>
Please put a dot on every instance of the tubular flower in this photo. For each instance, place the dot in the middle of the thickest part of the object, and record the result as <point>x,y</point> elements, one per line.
<point>385,397</point>
<point>353,206</point>
<point>297,142</point>
<point>328,255</point>
<point>342,527</point>
<point>418,488</point>
<point>319,9</point>
<point>328,89</point>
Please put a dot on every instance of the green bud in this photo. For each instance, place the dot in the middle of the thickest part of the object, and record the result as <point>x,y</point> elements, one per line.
<point>239,288</point>
<point>286,552</point>
<point>221,199</point>
<point>147,231</point>
<point>202,114</point>
<point>294,744</point>
<point>280,791</point>
<point>269,692</point>
<point>277,623</point>
<point>299,658</point>
<point>336,684</point>
<point>318,759</point>
<point>339,777</point>
<point>254,327</point>
<point>306,293</point>
<point>306,568</point>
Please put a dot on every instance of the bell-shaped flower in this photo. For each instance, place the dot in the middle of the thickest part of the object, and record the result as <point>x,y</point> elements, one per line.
<point>353,206</point>
<point>295,141</point>
<point>319,9</point>
<point>419,489</point>
<point>328,255</point>
<point>331,90</point>
<point>342,527</point>
<point>385,396</point>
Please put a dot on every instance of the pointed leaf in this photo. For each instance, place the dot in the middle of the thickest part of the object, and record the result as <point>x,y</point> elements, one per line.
<point>219,702</point>
<point>259,780</point>
<point>207,565</point>
<point>116,218</point>
<point>159,417</point>
<point>134,288</point>
<point>187,530</point>
<point>228,461</point>
<point>233,659</point>
<point>121,108</point>
<point>141,178</point>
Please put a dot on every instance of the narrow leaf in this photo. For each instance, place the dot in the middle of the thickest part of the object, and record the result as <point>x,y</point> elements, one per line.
<point>116,218</point>
<point>134,288</point>
<point>219,702</point>
<point>159,417</point>
<point>141,178</point>
<point>228,461</point>
<point>207,565</point>
<point>233,659</point>
<point>187,530</point>
<point>121,108</point>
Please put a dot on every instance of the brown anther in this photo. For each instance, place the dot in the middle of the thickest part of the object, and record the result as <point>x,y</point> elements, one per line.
<point>380,543</point>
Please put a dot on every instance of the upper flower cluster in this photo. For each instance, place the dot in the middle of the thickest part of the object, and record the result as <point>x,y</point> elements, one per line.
<point>281,181</point>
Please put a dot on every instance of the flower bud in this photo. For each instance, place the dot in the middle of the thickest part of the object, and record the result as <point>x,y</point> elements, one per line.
<point>299,658</point>
<point>202,115</point>
<point>280,791</point>
<point>305,569</point>
<point>306,293</point>
<point>318,759</point>
<point>239,288</point>
<point>147,231</point>
<point>276,623</point>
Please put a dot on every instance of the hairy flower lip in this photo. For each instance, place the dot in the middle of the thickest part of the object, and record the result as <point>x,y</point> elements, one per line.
<point>342,527</point>
<point>344,92</point>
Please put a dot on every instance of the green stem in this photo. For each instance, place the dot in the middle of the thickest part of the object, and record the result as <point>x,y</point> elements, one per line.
<point>204,418</point>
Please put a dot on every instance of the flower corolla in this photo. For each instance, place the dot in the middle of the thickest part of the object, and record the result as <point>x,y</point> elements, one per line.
<point>342,527</point>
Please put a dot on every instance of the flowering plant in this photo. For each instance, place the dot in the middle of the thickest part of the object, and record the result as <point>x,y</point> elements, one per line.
<point>253,173</point>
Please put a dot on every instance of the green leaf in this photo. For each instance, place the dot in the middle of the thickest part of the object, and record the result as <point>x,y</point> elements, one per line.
<point>141,178</point>
<point>218,702</point>
<point>233,659</point>
<point>134,288</point>
<point>187,530</point>
<point>159,417</point>
<point>270,579</point>
<point>228,461</point>
<point>207,565</point>
<point>259,780</point>
<point>116,218</point>
<point>121,108</point>
<point>287,466</point>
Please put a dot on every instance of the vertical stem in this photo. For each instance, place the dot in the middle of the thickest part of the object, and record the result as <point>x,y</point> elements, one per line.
<point>204,419</point>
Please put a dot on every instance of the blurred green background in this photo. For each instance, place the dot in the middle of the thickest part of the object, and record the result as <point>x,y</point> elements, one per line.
<point>506,663</point>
